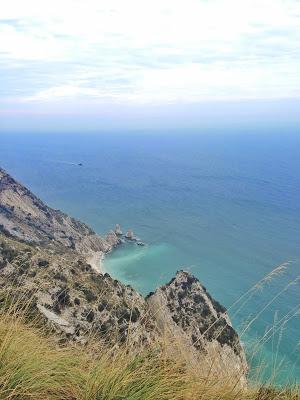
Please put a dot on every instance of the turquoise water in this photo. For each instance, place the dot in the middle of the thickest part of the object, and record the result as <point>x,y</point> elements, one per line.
<point>226,207</point>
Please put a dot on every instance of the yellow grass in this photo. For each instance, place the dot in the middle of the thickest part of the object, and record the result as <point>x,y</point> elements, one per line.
<point>33,366</point>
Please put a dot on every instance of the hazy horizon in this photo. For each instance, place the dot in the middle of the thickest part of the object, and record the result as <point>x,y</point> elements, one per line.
<point>138,65</point>
<point>218,117</point>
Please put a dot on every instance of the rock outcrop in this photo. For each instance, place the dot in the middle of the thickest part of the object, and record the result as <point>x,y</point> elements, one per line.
<point>192,320</point>
<point>118,230</point>
<point>112,239</point>
<point>44,257</point>
<point>129,235</point>
<point>26,217</point>
<point>72,298</point>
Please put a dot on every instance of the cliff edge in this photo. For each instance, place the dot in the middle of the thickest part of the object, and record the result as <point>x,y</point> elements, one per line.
<point>198,327</point>
<point>44,257</point>
<point>24,216</point>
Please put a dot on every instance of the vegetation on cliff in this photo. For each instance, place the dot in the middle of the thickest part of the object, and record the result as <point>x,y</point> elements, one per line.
<point>68,332</point>
<point>34,367</point>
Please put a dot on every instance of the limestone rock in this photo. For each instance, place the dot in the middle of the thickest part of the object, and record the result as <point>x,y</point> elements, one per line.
<point>26,217</point>
<point>76,301</point>
<point>129,235</point>
<point>47,256</point>
<point>186,313</point>
<point>112,239</point>
<point>58,322</point>
<point>118,230</point>
<point>72,298</point>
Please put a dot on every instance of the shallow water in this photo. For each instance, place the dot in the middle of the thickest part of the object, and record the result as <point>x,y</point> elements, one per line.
<point>226,207</point>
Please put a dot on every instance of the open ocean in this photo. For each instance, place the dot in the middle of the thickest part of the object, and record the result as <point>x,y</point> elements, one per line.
<point>224,206</point>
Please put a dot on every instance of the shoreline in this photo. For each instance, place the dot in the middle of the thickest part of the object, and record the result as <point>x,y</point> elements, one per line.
<point>95,260</point>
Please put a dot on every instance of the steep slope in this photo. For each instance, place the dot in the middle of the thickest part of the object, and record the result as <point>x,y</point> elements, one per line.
<point>44,258</point>
<point>72,298</point>
<point>185,312</point>
<point>26,217</point>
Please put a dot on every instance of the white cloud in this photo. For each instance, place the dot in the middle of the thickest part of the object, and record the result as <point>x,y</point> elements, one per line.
<point>157,51</point>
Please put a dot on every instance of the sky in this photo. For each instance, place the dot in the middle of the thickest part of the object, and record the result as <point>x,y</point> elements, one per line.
<point>69,61</point>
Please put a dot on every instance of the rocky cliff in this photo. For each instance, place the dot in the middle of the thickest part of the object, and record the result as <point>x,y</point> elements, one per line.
<point>26,217</point>
<point>198,326</point>
<point>44,258</point>
<point>72,297</point>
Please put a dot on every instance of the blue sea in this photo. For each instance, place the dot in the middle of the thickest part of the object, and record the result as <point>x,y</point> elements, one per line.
<point>224,206</point>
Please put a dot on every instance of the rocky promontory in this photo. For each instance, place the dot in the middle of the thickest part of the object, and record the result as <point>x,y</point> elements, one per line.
<point>44,257</point>
<point>192,320</point>
<point>24,216</point>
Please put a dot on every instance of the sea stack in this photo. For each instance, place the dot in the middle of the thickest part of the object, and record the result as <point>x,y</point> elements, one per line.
<point>118,230</point>
<point>129,234</point>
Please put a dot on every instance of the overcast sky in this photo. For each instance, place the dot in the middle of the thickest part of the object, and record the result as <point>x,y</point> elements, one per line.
<point>92,56</point>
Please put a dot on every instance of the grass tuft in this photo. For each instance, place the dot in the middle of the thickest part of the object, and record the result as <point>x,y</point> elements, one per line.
<point>33,367</point>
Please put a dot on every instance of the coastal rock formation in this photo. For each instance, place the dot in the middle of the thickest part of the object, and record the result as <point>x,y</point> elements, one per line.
<point>45,258</point>
<point>118,230</point>
<point>73,299</point>
<point>26,217</point>
<point>112,239</point>
<point>187,315</point>
<point>129,235</point>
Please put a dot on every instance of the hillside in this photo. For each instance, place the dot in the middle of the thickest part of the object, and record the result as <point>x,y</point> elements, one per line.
<point>50,286</point>
<point>25,217</point>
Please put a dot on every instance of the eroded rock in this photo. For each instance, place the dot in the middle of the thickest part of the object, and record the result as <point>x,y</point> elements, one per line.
<point>112,239</point>
<point>129,235</point>
<point>188,315</point>
<point>118,230</point>
<point>26,217</point>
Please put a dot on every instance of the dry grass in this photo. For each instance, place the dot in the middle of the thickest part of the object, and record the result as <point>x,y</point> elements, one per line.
<point>33,367</point>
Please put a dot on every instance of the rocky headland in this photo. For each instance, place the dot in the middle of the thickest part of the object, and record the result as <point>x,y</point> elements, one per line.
<point>51,259</point>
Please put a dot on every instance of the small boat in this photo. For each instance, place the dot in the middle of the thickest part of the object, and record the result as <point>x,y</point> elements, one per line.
<point>139,243</point>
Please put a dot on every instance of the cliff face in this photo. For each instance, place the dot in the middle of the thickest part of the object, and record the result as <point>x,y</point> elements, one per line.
<point>192,320</point>
<point>26,217</point>
<point>71,297</point>
<point>49,265</point>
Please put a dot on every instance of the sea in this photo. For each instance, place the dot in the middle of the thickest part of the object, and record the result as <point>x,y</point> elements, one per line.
<point>224,206</point>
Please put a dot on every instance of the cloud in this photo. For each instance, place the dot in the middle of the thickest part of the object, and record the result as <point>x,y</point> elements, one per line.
<point>140,51</point>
